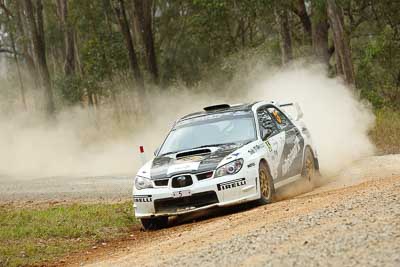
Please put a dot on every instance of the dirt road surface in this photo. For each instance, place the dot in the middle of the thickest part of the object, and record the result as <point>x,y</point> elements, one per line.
<point>351,220</point>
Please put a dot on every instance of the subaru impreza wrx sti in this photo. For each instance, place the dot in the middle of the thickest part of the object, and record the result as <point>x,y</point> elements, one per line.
<point>224,155</point>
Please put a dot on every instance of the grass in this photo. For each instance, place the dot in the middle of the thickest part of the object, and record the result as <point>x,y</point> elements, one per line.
<point>386,134</point>
<point>31,236</point>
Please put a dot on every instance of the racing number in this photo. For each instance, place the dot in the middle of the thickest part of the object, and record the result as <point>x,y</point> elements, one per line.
<point>183,193</point>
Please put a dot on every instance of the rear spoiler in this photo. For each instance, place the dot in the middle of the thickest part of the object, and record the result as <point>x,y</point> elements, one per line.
<point>299,112</point>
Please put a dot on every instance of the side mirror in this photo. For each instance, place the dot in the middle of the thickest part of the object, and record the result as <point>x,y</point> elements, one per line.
<point>266,133</point>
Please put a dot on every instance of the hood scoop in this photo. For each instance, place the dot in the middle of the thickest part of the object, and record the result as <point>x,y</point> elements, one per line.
<point>193,152</point>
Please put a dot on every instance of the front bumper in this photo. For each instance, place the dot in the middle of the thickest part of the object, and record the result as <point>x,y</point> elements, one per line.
<point>204,194</point>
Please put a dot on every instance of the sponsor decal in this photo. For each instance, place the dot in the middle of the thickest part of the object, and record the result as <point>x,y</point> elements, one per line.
<point>268,145</point>
<point>291,156</point>
<point>142,198</point>
<point>251,165</point>
<point>256,148</point>
<point>231,184</point>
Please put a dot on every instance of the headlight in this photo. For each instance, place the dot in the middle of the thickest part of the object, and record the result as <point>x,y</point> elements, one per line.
<point>229,168</point>
<point>142,183</point>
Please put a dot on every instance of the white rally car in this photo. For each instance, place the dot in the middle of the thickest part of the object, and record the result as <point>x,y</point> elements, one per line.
<point>223,156</point>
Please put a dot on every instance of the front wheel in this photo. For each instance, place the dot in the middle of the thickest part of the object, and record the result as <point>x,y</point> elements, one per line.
<point>154,223</point>
<point>267,188</point>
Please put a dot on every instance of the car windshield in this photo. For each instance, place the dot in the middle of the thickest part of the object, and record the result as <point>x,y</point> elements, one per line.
<point>215,129</point>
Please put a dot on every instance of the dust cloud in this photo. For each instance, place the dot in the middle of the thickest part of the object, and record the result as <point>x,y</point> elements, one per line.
<point>82,142</point>
<point>76,144</point>
<point>338,121</point>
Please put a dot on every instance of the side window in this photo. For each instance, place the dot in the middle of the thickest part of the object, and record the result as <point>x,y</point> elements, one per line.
<point>267,125</point>
<point>281,120</point>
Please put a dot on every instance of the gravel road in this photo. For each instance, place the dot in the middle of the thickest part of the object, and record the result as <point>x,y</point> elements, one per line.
<point>351,220</point>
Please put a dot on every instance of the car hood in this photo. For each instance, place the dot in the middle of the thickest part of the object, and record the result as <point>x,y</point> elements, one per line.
<point>168,165</point>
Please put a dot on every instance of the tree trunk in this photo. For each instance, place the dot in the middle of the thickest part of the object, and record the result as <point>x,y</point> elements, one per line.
<point>133,62</point>
<point>37,34</point>
<point>22,88</point>
<point>24,44</point>
<point>286,40</point>
<point>69,64</point>
<point>142,11</point>
<point>14,50</point>
<point>320,29</point>
<point>341,41</point>
<point>301,11</point>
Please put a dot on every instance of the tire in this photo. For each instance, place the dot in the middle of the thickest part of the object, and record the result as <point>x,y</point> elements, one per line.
<point>154,223</point>
<point>309,172</point>
<point>267,189</point>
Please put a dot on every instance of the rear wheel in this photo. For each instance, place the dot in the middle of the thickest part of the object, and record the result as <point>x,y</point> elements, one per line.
<point>266,184</point>
<point>309,172</point>
<point>154,223</point>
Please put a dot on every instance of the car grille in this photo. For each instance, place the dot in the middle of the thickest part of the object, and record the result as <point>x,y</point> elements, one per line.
<point>163,182</point>
<point>182,181</point>
<point>169,205</point>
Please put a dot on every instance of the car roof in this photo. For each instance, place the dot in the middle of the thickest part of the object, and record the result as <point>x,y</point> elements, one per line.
<point>232,108</point>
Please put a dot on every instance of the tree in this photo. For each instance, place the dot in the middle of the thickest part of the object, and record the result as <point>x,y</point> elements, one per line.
<point>24,43</point>
<point>143,15</point>
<point>14,51</point>
<point>123,23</point>
<point>39,46</point>
<point>69,65</point>
<point>320,28</point>
<point>299,8</point>
<point>344,65</point>
<point>286,40</point>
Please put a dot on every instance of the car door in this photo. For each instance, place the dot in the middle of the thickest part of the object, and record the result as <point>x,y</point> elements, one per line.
<point>291,160</point>
<point>273,138</point>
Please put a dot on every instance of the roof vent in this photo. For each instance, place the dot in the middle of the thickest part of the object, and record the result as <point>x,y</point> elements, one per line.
<point>217,107</point>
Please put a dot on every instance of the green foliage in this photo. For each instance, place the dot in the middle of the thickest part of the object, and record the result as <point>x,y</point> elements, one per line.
<point>71,88</point>
<point>386,132</point>
<point>197,38</point>
<point>200,33</point>
<point>377,69</point>
<point>30,236</point>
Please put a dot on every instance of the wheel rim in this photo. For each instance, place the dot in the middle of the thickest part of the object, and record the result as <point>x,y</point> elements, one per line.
<point>309,167</point>
<point>264,185</point>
